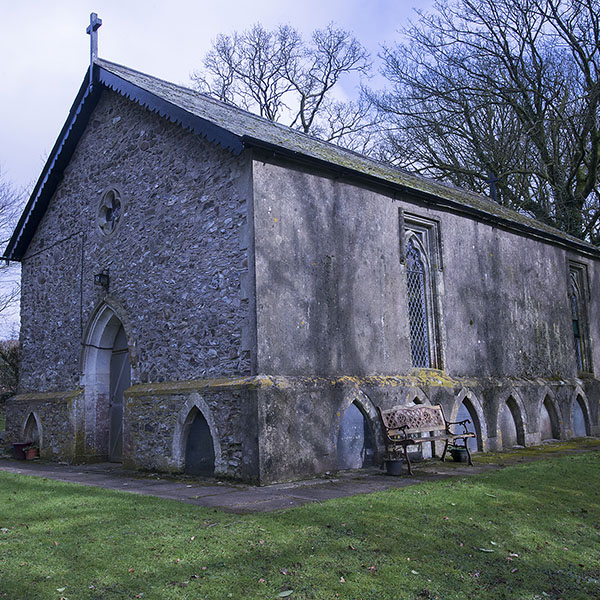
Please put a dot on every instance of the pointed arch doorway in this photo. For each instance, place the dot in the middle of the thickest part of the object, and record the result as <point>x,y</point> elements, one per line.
<point>355,445</point>
<point>120,380</point>
<point>199,445</point>
<point>106,376</point>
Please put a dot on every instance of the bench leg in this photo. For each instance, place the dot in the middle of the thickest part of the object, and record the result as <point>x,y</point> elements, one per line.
<point>410,472</point>
<point>468,452</point>
<point>443,457</point>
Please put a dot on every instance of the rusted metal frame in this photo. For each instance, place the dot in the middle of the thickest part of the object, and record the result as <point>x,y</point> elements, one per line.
<point>443,457</point>
<point>464,423</point>
<point>393,443</point>
<point>403,444</point>
<point>401,428</point>
<point>467,433</point>
<point>470,460</point>
<point>464,438</point>
<point>410,471</point>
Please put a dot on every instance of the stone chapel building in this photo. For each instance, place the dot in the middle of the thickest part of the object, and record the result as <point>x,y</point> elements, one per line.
<point>207,291</point>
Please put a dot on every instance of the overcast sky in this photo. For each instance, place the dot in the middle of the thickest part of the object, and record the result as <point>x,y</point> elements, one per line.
<point>44,52</point>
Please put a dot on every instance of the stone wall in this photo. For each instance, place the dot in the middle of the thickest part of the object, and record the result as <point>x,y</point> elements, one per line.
<point>175,259</point>
<point>275,429</point>
<point>51,316</point>
<point>54,416</point>
<point>299,418</point>
<point>506,303</point>
<point>330,276</point>
<point>156,423</point>
<point>271,299</point>
<point>179,283</point>
<point>333,324</point>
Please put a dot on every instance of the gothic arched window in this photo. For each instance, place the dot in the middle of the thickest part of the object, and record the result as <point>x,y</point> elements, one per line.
<point>577,299</point>
<point>417,277</point>
<point>420,252</point>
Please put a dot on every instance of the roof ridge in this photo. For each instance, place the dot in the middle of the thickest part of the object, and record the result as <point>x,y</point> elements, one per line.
<point>440,186</point>
<point>288,128</point>
<point>205,96</point>
<point>282,126</point>
<point>235,128</point>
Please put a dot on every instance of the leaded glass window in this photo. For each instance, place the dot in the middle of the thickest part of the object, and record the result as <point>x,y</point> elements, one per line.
<point>417,284</point>
<point>578,316</point>
<point>421,255</point>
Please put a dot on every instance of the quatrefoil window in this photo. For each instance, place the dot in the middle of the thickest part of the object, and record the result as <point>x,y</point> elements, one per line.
<point>109,211</point>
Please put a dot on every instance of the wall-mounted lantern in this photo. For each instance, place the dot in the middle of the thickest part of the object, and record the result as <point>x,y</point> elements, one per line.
<point>102,279</point>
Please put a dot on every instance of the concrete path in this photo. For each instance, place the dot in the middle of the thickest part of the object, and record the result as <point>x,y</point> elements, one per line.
<point>249,499</point>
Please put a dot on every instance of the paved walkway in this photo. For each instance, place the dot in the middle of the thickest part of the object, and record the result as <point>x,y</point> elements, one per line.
<point>248,499</point>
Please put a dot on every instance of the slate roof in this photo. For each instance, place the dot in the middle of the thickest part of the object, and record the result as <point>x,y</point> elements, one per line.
<point>236,129</point>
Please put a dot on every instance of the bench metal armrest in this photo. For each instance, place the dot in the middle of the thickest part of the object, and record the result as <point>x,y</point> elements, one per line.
<point>464,423</point>
<point>397,437</point>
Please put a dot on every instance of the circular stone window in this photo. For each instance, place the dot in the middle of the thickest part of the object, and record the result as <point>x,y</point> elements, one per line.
<point>109,211</point>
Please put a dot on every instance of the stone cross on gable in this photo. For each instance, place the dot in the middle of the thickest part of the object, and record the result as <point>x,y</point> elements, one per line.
<point>92,30</point>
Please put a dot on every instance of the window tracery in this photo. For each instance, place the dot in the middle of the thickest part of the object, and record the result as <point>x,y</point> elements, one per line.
<point>578,305</point>
<point>109,211</point>
<point>417,305</point>
<point>421,254</point>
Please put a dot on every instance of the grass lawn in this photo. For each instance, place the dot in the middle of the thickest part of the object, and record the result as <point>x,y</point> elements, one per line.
<point>526,532</point>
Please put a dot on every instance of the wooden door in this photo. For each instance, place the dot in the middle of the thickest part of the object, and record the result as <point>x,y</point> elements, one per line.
<point>120,380</point>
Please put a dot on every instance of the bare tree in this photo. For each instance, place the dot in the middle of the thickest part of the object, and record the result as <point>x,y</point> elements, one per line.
<point>249,69</point>
<point>283,78</point>
<point>10,208</point>
<point>9,368</point>
<point>504,92</point>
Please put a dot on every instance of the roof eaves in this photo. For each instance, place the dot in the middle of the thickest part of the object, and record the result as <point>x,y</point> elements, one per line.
<point>164,108</point>
<point>434,200</point>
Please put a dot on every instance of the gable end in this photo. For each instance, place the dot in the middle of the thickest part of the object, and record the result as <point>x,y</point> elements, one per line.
<point>72,131</point>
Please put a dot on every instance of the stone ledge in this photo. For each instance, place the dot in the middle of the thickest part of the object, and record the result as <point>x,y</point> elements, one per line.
<point>418,378</point>
<point>61,396</point>
<point>199,385</point>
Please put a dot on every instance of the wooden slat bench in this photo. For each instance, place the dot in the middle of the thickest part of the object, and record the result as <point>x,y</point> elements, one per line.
<point>404,426</point>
